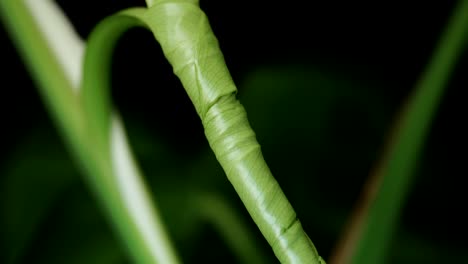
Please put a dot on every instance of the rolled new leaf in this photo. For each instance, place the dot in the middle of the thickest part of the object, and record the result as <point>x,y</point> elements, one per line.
<point>189,44</point>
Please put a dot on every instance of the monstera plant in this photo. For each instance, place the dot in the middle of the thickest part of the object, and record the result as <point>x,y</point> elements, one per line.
<point>74,81</point>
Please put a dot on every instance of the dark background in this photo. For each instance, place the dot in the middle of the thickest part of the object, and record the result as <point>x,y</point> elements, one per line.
<point>321,82</point>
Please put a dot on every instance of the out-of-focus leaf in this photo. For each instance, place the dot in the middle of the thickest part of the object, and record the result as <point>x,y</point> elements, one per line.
<point>404,154</point>
<point>49,216</point>
<point>75,231</point>
<point>32,179</point>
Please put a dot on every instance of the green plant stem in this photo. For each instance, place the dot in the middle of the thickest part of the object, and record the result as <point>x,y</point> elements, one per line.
<point>96,102</point>
<point>54,87</point>
<point>399,165</point>
<point>189,44</point>
<point>141,230</point>
<point>183,31</point>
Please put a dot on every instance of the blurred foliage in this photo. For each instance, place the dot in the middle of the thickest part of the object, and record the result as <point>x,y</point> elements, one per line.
<point>321,127</point>
<point>320,134</point>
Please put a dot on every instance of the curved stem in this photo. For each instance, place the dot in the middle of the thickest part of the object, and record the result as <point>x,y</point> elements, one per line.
<point>189,44</point>
<point>125,194</point>
<point>119,189</point>
<point>183,31</point>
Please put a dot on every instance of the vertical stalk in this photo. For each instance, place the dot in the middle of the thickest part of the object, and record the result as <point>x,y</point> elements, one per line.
<point>399,164</point>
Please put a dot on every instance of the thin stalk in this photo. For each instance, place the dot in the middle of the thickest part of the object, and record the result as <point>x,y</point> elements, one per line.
<point>375,219</point>
<point>110,141</point>
<point>114,185</point>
